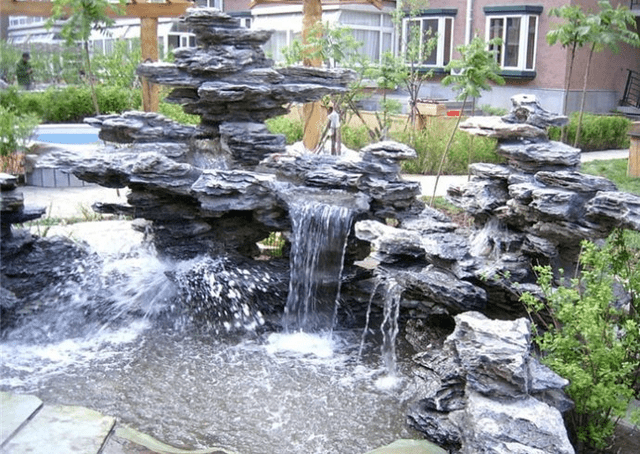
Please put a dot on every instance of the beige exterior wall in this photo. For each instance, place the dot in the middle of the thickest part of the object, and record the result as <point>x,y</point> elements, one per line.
<point>236,5</point>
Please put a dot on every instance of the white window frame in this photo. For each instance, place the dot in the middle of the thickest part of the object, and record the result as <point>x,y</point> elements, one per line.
<point>383,28</point>
<point>213,4</point>
<point>524,63</point>
<point>443,55</point>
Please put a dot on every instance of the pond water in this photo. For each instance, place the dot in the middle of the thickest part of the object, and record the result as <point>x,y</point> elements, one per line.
<point>253,393</point>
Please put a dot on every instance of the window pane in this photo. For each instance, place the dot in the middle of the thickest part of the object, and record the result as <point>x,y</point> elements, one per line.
<point>495,31</point>
<point>387,42</point>
<point>370,43</point>
<point>174,41</point>
<point>448,27</point>
<point>531,41</point>
<point>429,31</point>
<point>512,42</point>
<point>358,18</point>
<point>273,47</point>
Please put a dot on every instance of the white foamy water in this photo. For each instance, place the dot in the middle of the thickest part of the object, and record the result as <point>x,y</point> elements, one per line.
<point>253,394</point>
<point>320,346</point>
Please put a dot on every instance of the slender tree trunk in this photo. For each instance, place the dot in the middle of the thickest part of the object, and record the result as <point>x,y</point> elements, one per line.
<point>567,86</point>
<point>94,97</point>
<point>584,93</point>
<point>446,150</point>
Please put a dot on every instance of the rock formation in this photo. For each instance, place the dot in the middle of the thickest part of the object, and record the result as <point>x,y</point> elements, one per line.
<point>214,191</point>
<point>483,391</point>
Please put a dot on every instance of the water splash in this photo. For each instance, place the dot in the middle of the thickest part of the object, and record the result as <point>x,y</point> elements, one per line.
<point>319,237</point>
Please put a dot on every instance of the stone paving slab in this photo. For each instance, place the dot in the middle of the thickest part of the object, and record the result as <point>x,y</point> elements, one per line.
<point>60,429</point>
<point>15,411</point>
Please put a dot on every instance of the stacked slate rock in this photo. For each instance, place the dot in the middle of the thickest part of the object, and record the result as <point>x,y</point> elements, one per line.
<point>539,195</point>
<point>226,184</point>
<point>535,208</point>
<point>484,392</point>
<point>13,211</point>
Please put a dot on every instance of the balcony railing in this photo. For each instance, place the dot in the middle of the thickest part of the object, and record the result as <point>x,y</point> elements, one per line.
<point>632,90</point>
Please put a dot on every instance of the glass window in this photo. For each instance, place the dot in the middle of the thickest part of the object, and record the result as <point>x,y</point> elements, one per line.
<point>429,28</point>
<point>519,35</point>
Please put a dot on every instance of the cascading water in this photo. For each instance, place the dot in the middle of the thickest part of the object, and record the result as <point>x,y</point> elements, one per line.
<point>390,327</point>
<point>319,237</point>
<point>196,388</point>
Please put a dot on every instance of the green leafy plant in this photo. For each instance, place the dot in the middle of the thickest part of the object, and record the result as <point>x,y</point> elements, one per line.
<point>470,75</point>
<point>431,142</point>
<point>570,34</point>
<point>605,29</point>
<point>118,67</point>
<point>355,137</point>
<point>599,132</point>
<point>588,339</point>
<point>15,131</point>
<point>291,128</point>
<point>81,17</point>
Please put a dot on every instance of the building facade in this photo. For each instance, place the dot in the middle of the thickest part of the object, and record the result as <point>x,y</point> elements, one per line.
<point>529,64</point>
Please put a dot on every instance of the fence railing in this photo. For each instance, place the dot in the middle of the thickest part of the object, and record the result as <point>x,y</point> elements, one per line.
<point>632,89</point>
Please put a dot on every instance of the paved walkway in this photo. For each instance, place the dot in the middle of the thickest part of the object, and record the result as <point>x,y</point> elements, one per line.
<point>27,426</point>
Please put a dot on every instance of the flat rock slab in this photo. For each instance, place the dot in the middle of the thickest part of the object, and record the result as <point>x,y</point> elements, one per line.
<point>62,430</point>
<point>15,410</point>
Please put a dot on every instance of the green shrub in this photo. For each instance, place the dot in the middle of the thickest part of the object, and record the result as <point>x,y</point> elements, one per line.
<point>599,132</point>
<point>431,142</point>
<point>355,138</point>
<point>67,105</point>
<point>70,104</point>
<point>292,129</point>
<point>113,99</point>
<point>583,337</point>
<point>15,130</point>
<point>175,112</point>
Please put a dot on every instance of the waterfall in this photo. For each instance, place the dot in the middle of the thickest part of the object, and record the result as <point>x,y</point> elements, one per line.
<point>318,244</point>
<point>390,326</point>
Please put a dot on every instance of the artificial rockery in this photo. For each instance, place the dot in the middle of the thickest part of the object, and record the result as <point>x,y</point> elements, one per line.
<point>206,195</point>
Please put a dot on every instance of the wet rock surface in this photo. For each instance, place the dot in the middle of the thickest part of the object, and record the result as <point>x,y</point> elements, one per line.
<point>485,392</point>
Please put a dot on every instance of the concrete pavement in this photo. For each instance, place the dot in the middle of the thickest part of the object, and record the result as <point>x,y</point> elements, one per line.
<point>28,426</point>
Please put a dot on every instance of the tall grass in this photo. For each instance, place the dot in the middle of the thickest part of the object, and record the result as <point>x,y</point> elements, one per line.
<point>430,144</point>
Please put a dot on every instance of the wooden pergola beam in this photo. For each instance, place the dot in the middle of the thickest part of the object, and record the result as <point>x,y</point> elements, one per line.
<point>172,8</point>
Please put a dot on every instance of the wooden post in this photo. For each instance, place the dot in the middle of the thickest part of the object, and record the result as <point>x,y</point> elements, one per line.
<point>314,116</point>
<point>149,43</point>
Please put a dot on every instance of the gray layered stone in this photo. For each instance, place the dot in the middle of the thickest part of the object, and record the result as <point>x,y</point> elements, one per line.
<point>526,426</point>
<point>617,209</point>
<point>527,109</point>
<point>484,392</point>
<point>536,156</point>
<point>496,128</point>
<point>140,127</point>
<point>63,429</point>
